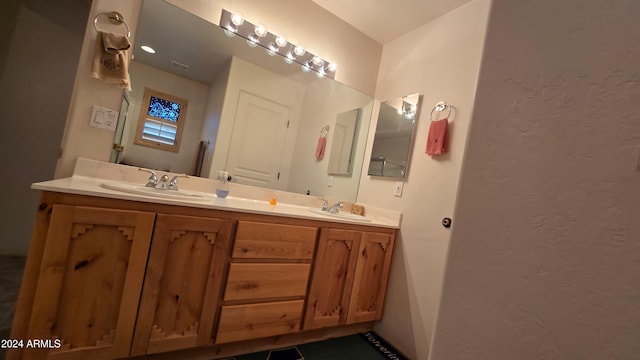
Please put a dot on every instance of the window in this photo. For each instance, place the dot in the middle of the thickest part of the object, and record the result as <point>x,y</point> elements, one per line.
<point>161,120</point>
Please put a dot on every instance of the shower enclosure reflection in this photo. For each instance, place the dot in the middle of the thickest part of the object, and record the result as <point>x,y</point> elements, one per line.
<point>394,137</point>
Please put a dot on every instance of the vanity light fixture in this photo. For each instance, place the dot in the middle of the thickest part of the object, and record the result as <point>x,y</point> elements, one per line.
<point>298,50</point>
<point>289,58</point>
<point>236,19</point>
<point>256,34</point>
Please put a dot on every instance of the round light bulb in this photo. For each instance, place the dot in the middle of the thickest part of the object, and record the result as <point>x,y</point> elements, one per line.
<point>260,30</point>
<point>270,52</point>
<point>237,19</point>
<point>306,68</point>
<point>317,61</point>
<point>289,58</point>
<point>280,41</point>
<point>332,67</point>
<point>298,50</point>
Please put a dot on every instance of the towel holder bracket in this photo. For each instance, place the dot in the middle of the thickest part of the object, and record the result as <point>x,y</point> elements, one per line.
<point>115,18</point>
<point>440,107</point>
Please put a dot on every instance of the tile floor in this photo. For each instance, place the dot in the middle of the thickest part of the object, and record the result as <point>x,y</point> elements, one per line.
<point>11,268</point>
<point>354,347</point>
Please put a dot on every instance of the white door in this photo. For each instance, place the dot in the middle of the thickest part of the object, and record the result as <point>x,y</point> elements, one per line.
<point>257,141</point>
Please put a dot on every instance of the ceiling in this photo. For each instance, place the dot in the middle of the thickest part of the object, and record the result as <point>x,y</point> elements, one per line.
<point>386,20</point>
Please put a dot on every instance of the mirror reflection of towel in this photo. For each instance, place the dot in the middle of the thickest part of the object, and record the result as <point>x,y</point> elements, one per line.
<point>438,139</point>
<point>111,59</point>
<point>322,143</point>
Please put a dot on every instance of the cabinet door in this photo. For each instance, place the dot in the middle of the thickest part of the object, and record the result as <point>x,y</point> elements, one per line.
<point>182,284</point>
<point>332,278</point>
<point>90,281</point>
<point>370,281</point>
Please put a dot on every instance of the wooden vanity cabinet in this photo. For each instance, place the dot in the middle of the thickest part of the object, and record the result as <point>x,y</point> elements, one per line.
<point>119,283</point>
<point>111,283</point>
<point>89,284</point>
<point>182,283</point>
<point>267,281</point>
<point>349,280</point>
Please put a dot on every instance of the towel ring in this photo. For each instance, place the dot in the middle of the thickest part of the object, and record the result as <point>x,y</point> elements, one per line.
<point>324,131</point>
<point>440,106</point>
<point>115,18</point>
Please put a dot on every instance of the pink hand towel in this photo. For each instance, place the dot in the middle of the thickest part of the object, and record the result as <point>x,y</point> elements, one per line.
<point>438,139</point>
<point>322,143</point>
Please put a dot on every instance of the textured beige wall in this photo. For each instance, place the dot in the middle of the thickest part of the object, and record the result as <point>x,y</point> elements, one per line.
<point>35,88</point>
<point>439,60</point>
<point>544,261</point>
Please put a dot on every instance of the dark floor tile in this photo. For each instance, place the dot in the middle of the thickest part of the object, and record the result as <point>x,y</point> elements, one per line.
<point>343,348</point>
<point>291,353</point>
<point>11,268</point>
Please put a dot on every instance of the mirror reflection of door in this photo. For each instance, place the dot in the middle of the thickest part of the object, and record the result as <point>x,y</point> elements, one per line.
<point>258,141</point>
<point>344,138</point>
<point>122,119</point>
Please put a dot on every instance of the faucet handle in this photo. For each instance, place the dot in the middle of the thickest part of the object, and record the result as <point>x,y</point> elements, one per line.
<point>325,203</point>
<point>153,179</point>
<point>173,184</point>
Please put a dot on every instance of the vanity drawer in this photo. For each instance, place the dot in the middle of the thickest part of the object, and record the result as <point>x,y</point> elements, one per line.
<point>255,240</point>
<point>243,322</point>
<point>249,281</point>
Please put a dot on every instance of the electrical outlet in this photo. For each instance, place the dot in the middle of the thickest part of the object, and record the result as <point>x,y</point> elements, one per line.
<point>330,182</point>
<point>397,190</point>
<point>104,118</point>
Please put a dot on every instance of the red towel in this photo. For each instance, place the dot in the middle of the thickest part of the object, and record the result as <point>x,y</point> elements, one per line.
<point>438,140</point>
<point>322,143</point>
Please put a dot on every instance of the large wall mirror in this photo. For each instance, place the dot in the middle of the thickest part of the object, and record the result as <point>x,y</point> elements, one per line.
<point>249,113</point>
<point>394,137</point>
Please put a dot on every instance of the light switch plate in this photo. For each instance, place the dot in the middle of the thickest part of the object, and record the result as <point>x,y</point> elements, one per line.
<point>330,182</point>
<point>397,189</point>
<point>104,118</point>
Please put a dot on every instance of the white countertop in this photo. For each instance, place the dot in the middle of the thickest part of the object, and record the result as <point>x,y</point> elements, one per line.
<point>84,185</point>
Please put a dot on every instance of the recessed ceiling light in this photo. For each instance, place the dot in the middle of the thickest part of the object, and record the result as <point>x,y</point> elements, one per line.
<point>148,49</point>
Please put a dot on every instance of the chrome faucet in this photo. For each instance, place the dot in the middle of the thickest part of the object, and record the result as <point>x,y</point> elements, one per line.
<point>164,183</point>
<point>335,208</point>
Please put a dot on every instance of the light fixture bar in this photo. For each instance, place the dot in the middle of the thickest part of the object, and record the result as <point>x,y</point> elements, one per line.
<point>276,44</point>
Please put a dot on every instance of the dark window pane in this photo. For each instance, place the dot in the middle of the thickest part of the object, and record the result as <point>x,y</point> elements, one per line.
<point>164,109</point>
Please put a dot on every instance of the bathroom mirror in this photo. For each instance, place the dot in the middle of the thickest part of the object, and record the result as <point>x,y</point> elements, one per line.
<point>344,143</point>
<point>394,137</point>
<point>250,114</point>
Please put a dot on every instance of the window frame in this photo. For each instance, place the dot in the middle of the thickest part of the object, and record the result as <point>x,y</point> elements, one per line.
<point>142,118</point>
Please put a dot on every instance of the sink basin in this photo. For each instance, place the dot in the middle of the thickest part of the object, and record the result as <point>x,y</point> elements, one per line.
<point>341,215</point>
<point>166,194</point>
